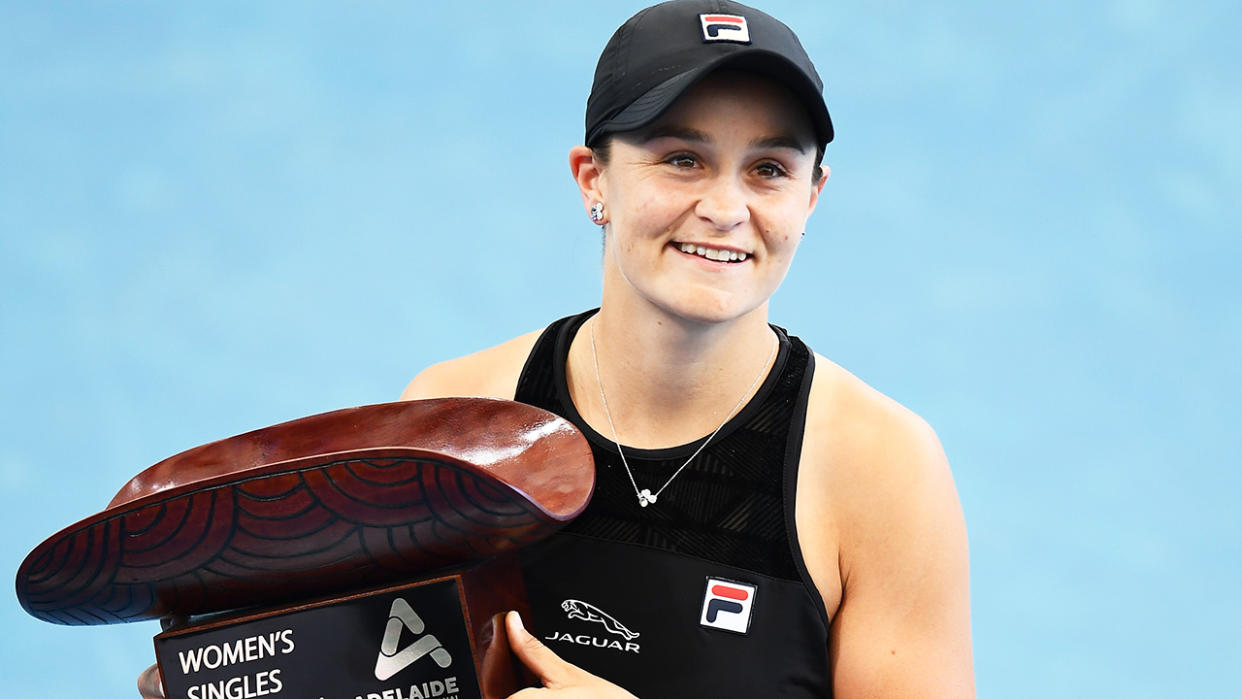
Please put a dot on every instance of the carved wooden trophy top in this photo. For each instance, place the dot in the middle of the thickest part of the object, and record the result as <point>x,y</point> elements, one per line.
<point>341,500</point>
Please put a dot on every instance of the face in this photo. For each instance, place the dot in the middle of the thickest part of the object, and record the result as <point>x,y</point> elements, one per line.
<point>706,207</point>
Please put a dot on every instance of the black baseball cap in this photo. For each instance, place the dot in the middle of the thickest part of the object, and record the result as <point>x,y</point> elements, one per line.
<point>665,49</point>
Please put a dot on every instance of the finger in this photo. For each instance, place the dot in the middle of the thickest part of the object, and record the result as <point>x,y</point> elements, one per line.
<point>149,684</point>
<point>547,665</point>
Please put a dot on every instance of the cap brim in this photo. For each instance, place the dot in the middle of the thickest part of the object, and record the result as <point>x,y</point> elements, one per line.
<point>648,107</point>
<point>332,502</point>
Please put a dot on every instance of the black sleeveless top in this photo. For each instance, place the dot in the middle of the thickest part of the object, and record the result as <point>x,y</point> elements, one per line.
<point>704,593</point>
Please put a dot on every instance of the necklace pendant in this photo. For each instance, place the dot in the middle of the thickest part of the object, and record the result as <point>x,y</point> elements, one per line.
<point>645,498</point>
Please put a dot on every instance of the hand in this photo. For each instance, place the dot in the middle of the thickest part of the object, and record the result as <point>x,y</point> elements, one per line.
<point>149,684</point>
<point>561,680</point>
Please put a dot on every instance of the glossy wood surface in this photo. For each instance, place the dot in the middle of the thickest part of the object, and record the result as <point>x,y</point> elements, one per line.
<point>332,502</point>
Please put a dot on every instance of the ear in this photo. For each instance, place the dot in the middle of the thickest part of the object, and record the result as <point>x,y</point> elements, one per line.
<point>818,187</point>
<point>586,171</point>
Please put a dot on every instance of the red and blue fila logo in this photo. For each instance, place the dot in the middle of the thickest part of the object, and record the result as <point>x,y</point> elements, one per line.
<point>725,28</point>
<point>727,605</point>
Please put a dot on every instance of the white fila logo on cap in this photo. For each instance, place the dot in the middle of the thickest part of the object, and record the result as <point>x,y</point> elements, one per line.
<point>725,28</point>
<point>727,605</point>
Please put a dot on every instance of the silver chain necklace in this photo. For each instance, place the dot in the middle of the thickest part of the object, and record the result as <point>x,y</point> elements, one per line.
<point>645,496</point>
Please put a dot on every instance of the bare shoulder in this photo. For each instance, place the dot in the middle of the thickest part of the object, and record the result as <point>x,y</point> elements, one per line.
<point>876,466</point>
<point>884,534</point>
<point>873,438</point>
<point>489,373</point>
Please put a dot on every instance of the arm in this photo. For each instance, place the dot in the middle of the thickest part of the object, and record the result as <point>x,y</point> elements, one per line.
<point>490,373</point>
<point>903,627</point>
<point>883,537</point>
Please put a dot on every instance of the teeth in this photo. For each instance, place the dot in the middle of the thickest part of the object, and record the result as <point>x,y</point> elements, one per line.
<point>712,253</point>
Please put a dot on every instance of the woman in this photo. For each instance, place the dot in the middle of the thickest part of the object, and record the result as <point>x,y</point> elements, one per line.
<point>764,523</point>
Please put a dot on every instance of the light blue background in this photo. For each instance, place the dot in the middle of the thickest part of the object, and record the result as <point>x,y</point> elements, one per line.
<point>217,218</point>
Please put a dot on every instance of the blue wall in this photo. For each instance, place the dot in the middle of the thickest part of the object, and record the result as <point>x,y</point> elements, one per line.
<point>219,217</point>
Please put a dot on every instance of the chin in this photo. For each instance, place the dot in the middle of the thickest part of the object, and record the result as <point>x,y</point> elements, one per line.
<point>710,309</point>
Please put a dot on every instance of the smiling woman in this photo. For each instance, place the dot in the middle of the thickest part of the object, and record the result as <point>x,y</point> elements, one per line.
<point>763,523</point>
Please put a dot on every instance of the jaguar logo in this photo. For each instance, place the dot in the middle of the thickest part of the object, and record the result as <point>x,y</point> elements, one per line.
<point>577,609</point>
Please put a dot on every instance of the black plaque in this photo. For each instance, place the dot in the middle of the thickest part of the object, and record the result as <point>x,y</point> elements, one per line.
<point>400,643</point>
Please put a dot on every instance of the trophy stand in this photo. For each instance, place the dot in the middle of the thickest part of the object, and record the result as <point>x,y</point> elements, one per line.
<point>442,637</point>
<point>366,553</point>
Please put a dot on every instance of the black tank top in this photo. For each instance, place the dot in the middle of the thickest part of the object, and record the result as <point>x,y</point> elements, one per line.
<point>704,593</point>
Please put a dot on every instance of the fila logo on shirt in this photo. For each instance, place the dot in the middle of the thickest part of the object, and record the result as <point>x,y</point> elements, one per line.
<point>727,605</point>
<point>725,28</point>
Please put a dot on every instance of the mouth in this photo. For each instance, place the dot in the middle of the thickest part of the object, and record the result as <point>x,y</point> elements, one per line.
<point>724,255</point>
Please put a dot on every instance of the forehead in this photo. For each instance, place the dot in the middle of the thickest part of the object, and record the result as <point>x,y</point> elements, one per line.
<point>728,101</point>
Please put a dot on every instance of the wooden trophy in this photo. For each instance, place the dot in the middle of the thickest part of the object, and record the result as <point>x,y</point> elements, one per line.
<point>366,553</point>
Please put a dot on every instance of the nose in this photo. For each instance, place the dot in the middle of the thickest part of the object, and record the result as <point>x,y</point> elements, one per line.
<point>723,203</point>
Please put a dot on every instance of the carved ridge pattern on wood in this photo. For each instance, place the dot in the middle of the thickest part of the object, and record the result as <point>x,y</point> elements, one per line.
<point>319,529</point>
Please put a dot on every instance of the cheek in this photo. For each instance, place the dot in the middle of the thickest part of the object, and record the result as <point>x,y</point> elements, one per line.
<point>796,214</point>
<point>652,215</point>
<point>784,229</point>
<point>645,209</point>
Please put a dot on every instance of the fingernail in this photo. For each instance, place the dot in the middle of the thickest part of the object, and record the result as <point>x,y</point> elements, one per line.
<point>517,620</point>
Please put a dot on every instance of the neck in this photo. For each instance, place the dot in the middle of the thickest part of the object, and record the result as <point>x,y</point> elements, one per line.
<point>667,380</point>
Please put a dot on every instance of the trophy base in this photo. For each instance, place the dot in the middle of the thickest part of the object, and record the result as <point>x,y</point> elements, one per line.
<point>439,638</point>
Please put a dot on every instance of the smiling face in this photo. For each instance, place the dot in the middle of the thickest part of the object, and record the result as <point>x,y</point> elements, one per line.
<point>706,206</point>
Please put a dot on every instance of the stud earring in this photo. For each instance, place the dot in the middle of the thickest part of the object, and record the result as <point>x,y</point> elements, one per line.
<point>597,212</point>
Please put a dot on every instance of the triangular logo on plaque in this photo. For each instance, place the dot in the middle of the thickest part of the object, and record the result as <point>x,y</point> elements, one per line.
<point>390,660</point>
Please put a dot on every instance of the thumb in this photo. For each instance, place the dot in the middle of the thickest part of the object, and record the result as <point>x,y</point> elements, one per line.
<point>534,655</point>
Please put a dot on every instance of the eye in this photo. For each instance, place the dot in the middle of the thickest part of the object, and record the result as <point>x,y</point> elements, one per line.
<point>771,170</point>
<point>683,161</point>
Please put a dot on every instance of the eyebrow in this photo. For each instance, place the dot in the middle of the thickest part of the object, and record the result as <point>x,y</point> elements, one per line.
<point>779,142</point>
<point>685,133</point>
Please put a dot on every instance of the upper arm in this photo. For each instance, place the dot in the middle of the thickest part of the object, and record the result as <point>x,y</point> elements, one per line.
<point>902,628</point>
<point>490,373</point>
<point>437,381</point>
